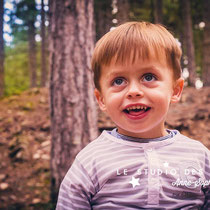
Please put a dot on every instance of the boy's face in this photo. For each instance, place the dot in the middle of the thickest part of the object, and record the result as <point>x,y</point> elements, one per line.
<point>137,96</point>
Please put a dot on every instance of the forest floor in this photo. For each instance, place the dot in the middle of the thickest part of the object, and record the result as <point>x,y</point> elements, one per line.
<point>25,142</point>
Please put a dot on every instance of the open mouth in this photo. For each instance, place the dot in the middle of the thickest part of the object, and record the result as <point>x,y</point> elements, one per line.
<point>136,110</point>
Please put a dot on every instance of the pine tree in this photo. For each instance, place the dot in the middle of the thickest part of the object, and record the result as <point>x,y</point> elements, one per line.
<point>43,47</point>
<point>206,44</point>
<point>73,106</point>
<point>1,48</point>
<point>158,11</point>
<point>123,7</point>
<point>27,12</point>
<point>103,17</point>
<point>188,37</point>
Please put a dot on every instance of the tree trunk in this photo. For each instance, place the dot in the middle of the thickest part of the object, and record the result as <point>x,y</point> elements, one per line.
<point>43,47</point>
<point>73,106</point>
<point>122,15</point>
<point>32,54</point>
<point>206,44</point>
<point>188,36</point>
<point>158,11</point>
<point>1,48</point>
<point>103,17</point>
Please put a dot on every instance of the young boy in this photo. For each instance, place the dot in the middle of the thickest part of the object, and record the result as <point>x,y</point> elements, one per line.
<point>140,164</point>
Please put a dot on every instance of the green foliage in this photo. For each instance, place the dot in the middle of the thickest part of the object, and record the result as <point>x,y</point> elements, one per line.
<point>172,16</point>
<point>22,17</point>
<point>197,17</point>
<point>141,10</point>
<point>26,11</point>
<point>17,68</point>
<point>173,20</point>
<point>197,11</point>
<point>19,34</point>
<point>198,44</point>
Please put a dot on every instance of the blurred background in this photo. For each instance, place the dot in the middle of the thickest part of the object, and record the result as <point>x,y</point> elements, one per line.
<point>30,30</point>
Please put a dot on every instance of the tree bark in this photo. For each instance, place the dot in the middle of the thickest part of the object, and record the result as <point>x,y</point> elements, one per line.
<point>32,54</point>
<point>43,47</point>
<point>206,44</point>
<point>122,15</point>
<point>73,106</point>
<point>158,11</point>
<point>103,17</point>
<point>188,36</point>
<point>1,48</point>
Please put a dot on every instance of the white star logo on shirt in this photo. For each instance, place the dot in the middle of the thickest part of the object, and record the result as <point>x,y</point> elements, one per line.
<point>166,164</point>
<point>134,181</point>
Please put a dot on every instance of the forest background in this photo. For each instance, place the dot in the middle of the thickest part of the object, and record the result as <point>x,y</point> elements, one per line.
<point>30,132</point>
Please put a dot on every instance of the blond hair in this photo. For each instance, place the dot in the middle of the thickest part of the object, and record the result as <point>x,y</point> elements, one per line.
<point>136,40</point>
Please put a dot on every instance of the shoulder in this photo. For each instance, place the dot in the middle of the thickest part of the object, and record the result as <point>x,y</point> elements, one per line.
<point>193,143</point>
<point>187,147</point>
<point>97,159</point>
<point>191,153</point>
<point>100,146</point>
<point>192,148</point>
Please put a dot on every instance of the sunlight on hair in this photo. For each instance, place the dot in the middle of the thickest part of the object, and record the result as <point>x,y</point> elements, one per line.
<point>179,43</point>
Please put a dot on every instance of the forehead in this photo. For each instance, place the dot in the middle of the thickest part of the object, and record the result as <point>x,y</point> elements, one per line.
<point>137,56</point>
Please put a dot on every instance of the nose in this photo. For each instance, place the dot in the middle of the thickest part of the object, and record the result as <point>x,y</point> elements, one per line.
<point>134,90</point>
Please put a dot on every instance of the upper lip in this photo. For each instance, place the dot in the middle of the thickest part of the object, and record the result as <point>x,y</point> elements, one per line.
<point>136,106</point>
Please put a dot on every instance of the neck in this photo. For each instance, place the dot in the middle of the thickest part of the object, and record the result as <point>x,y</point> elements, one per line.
<point>144,135</point>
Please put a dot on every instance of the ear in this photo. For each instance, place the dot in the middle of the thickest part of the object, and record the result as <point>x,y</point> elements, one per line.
<point>100,99</point>
<point>177,90</point>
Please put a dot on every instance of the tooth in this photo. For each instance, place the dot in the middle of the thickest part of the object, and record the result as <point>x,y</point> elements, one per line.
<point>128,108</point>
<point>138,107</point>
<point>145,108</point>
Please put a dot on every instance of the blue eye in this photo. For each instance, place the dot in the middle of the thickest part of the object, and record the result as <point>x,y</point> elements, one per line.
<point>118,81</point>
<point>149,77</point>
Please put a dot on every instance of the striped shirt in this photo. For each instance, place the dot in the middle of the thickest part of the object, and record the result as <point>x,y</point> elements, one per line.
<point>111,173</point>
